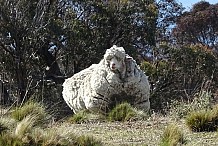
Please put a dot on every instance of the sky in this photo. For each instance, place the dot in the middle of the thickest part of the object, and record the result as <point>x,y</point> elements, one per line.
<point>188,3</point>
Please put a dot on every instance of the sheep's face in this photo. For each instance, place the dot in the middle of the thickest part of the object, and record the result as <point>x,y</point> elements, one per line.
<point>115,58</point>
<point>115,63</point>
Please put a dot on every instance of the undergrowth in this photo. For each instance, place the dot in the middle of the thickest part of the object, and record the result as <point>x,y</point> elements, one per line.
<point>180,109</point>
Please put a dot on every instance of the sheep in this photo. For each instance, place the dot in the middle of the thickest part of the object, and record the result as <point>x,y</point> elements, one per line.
<point>116,74</point>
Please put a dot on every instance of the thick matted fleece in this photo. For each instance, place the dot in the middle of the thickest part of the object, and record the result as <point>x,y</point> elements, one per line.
<point>116,75</point>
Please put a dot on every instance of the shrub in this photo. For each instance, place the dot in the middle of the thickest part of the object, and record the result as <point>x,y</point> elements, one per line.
<point>122,112</point>
<point>200,101</point>
<point>172,136</point>
<point>30,108</point>
<point>205,120</point>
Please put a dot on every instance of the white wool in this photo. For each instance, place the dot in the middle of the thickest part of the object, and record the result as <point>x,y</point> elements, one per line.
<point>93,87</point>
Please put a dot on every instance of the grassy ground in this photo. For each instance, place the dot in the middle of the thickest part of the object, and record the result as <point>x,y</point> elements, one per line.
<point>147,132</point>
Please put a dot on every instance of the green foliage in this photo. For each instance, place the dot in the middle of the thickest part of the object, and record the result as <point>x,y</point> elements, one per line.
<point>154,70</point>
<point>172,136</point>
<point>181,74</point>
<point>30,108</point>
<point>204,120</point>
<point>122,112</point>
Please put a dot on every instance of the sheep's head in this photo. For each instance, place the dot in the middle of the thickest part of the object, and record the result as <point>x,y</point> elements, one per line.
<point>115,57</point>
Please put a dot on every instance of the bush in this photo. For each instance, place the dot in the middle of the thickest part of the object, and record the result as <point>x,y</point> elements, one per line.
<point>179,73</point>
<point>172,136</point>
<point>205,120</point>
<point>122,112</point>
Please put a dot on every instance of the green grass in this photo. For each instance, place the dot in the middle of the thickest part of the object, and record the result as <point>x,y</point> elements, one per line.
<point>86,116</point>
<point>124,112</point>
<point>172,136</point>
<point>80,117</point>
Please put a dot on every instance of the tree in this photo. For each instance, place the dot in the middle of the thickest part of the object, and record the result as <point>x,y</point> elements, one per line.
<point>24,36</point>
<point>184,72</point>
<point>100,24</point>
<point>168,13</point>
<point>46,39</point>
<point>199,25</point>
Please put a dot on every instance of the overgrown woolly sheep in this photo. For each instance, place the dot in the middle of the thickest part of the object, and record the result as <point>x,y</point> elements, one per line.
<point>94,88</point>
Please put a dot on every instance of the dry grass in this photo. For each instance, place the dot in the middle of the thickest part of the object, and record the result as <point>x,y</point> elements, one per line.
<point>147,132</point>
<point>140,132</point>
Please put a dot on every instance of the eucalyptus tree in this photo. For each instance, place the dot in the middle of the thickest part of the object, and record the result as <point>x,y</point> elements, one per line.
<point>98,25</point>
<point>199,25</point>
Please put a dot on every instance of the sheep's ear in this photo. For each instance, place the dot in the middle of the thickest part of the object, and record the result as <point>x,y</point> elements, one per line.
<point>128,58</point>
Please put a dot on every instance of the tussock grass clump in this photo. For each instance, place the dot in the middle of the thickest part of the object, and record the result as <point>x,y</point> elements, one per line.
<point>204,120</point>
<point>2,128</point>
<point>25,126</point>
<point>172,136</point>
<point>80,117</point>
<point>8,122</point>
<point>7,139</point>
<point>30,108</point>
<point>86,116</point>
<point>25,134</point>
<point>122,112</point>
<point>88,141</point>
